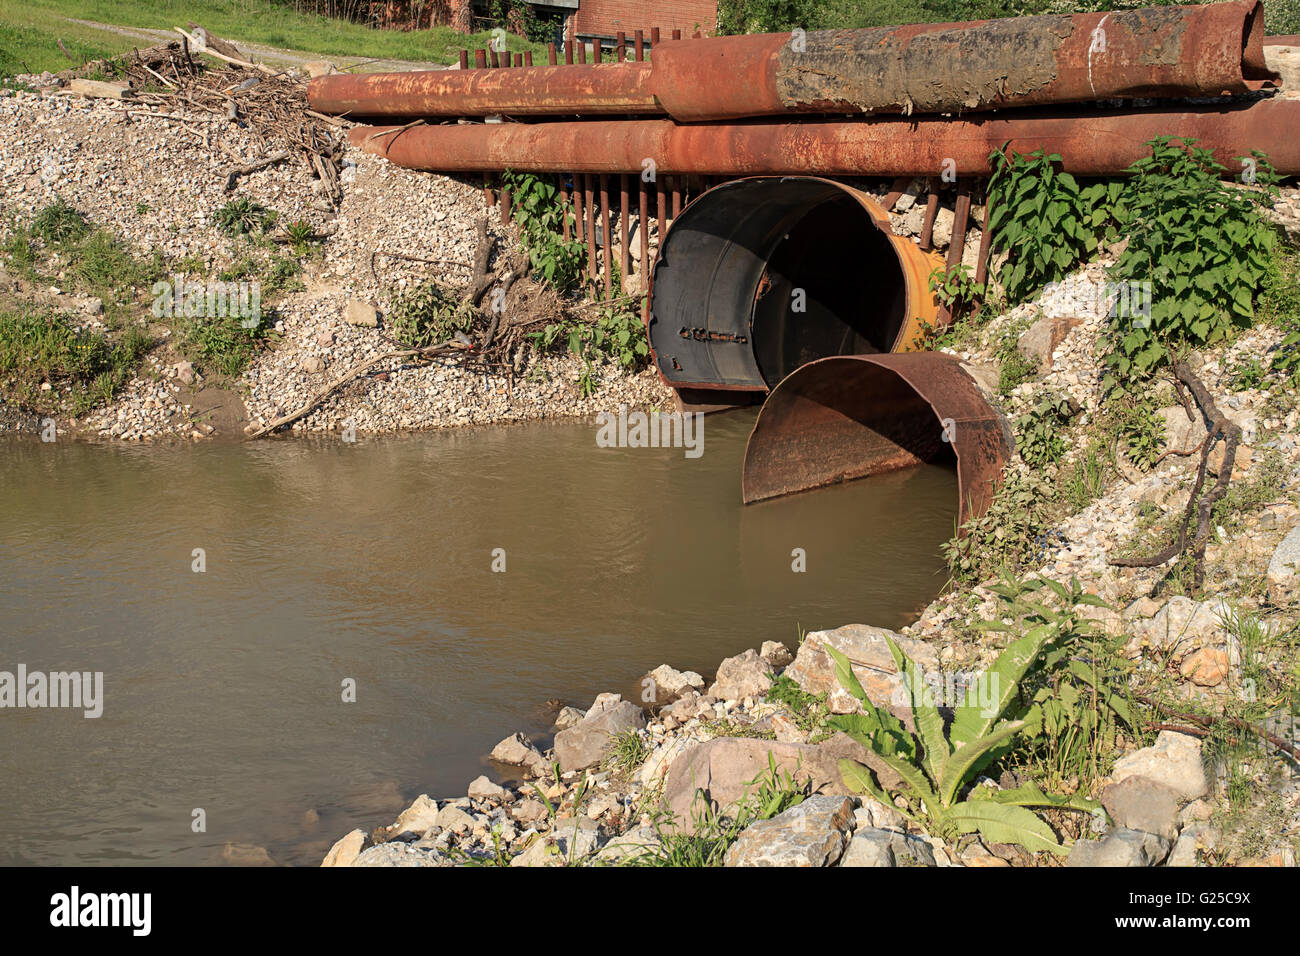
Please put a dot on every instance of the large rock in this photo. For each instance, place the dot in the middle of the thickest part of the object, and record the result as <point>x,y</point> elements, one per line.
<point>361,314</point>
<point>1174,760</point>
<point>1120,848</point>
<point>745,675</point>
<point>587,742</point>
<point>665,684</point>
<point>622,849</point>
<point>454,819</point>
<point>660,761</point>
<point>776,654</point>
<point>1137,803</point>
<point>1182,434</point>
<point>723,769</point>
<point>517,751</point>
<point>1041,339</point>
<point>1182,626</point>
<point>1283,576</point>
<point>811,834</point>
<point>868,654</point>
<point>416,819</point>
<point>529,811</point>
<point>1194,837</point>
<point>346,850</point>
<point>399,854</point>
<point>869,847</point>
<point>567,844</point>
<point>481,788</point>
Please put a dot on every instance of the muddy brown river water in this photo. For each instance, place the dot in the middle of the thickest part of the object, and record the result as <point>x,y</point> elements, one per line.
<point>327,562</point>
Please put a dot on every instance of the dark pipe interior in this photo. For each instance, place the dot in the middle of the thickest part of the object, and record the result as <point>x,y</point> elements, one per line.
<point>722,310</point>
<point>852,291</point>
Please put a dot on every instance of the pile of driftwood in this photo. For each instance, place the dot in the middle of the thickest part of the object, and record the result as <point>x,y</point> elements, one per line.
<point>172,81</point>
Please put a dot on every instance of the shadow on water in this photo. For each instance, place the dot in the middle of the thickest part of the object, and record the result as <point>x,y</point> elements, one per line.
<point>372,561</point>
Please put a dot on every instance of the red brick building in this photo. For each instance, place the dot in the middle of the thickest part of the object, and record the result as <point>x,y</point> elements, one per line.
<point>590,20</point>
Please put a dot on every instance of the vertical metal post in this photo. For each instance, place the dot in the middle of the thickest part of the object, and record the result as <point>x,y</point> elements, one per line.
<point>592,269</point>
<point>607,252</point>
<point>927,224</point>
<point>624,254</point>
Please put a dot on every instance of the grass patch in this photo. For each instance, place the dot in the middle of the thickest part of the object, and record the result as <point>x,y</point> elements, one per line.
<point>28,32</point>
<point>628,751</point>
<point>82,368</point>
<point>29,45</point>
<point>221,343</point>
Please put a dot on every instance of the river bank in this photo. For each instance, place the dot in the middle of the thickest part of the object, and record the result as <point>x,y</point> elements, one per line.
<point>158,186</point>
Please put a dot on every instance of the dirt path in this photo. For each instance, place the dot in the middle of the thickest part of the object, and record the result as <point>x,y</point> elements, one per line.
<point>271,56</point>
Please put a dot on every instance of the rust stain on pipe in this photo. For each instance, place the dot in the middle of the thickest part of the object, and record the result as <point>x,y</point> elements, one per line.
<point>1091,142</point>
<point>852,416</point>
<point>1204,50</point>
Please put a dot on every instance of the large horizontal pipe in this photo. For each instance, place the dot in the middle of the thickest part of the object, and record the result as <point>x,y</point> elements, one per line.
<point>1205,50</point>
<point>1089,142</point>
<point>613,88</point>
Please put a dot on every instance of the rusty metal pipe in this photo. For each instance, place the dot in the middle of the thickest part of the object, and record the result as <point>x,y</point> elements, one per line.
<point>852,416</point>
<point>1205,50</point>
<point>1090,142</point>
<point>618,88</point>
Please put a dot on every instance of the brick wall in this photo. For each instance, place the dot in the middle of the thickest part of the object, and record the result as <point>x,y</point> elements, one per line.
<point>606,17</point>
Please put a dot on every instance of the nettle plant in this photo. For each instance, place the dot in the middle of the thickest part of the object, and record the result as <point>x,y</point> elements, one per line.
<point>1044,219</point>
<point>538,208</point>
<point>956,288</point>
<point>1203,246</point>
<point>1039,431</point>
<point>939,764</point>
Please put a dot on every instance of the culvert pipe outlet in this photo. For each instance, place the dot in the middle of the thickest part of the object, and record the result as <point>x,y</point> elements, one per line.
<point>759,276</point>
<point>853,416</point>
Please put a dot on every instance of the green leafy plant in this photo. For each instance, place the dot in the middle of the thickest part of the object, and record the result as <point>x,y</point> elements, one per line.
<point>538,207</point>
<point>1140,427</point>
<point>1038,431</point>
<point>938,765</point>
<point>1006,535</point>
<point>300,233</point>
<point>221,343</point>
<point>1044,219</point>
<point>956,288</point>
<point>1076,696</point>
<point>84,367</point>
<point>808,710</point>
<point>429,313</point>
<point>1203,247</point>
<point>616,335</point>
